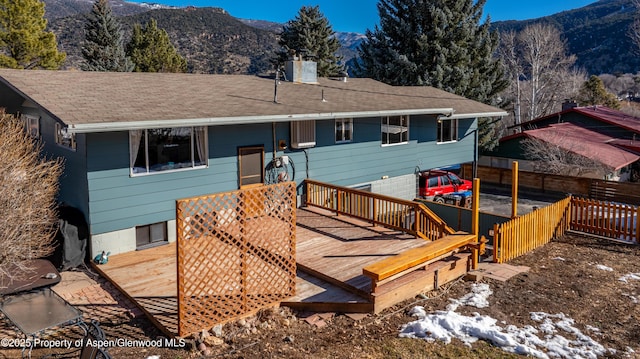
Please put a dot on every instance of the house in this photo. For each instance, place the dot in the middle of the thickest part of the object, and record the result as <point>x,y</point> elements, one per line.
<point>604,135</point>
<point>134,143</point>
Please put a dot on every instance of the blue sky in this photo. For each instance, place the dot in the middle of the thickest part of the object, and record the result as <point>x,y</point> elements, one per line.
<point>358,15</point>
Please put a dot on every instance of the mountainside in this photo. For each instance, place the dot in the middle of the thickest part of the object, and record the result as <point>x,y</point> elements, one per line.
<point>596,34</point>
<point>211,40</point>
<point>215,42</point>
<point>55,9</point>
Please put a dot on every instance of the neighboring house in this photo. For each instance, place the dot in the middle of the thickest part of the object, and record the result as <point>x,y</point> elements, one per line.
<point>607,136</point>
<point>134,143</point>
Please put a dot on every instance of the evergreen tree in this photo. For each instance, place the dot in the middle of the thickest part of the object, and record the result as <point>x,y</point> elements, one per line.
<point>103,49</point>
<point>24,43</point>
<point>438,43</point>
<point>310,31</point>
<point>151,50</point>
<point>593,92</point>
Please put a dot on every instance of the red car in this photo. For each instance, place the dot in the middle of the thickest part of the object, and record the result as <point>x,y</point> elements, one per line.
<point>435,184</point>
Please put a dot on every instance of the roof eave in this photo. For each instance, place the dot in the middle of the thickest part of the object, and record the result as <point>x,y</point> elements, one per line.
<point>221,121</point>
<point>478,114</point>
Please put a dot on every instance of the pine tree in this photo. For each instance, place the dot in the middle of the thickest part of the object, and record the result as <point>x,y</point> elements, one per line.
<point>24,43</point>
<point>103,49</point>
<point>311,32</point>
<point>593,92</point>
<point>438,43</point>
<point>151,50</point>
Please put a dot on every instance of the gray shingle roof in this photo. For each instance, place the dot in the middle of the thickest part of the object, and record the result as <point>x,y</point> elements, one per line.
<point>99,101</point>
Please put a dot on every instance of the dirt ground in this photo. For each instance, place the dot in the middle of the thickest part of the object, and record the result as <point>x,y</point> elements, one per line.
<point>565,276</point>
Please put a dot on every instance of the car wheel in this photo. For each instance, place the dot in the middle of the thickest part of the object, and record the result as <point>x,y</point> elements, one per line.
<point>439,200</point>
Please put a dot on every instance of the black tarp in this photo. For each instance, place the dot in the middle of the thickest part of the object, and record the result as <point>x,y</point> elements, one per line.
<point>71,239</point>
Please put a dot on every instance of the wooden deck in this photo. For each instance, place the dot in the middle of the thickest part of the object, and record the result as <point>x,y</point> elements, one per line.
<point>331,252</point>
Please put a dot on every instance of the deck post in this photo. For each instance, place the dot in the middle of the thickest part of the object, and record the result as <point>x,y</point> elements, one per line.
<point>475,219</point>
<point>514,190</point>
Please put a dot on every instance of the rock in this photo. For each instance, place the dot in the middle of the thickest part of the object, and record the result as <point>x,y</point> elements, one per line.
<point>243,323</point>
<point>202,347</point>
<point>288,339</point>
<point>286,323</point>
<point>217,330</point>
<point>213,341</point>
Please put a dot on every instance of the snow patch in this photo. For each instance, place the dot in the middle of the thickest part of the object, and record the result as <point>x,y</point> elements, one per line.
<point>604,268</point>
<point>631,276</point>
<point>544,341</point>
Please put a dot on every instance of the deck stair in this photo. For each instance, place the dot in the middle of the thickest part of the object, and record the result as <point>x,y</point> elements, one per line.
<point>420,269</point>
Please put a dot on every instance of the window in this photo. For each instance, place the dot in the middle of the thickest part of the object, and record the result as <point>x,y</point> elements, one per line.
<point>344,130</point>
<point>251,166</point>
<point>447,130</point>
<point>395,129</point>
<point>151,234</point>
<point>165,149</point>
<point>31,125</point>
<point>64,138</point>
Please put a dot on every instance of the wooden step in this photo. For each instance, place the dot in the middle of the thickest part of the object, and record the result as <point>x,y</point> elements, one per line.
<point>431,277</point>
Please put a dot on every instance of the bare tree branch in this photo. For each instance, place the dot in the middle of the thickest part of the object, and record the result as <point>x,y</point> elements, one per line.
<point>551,158</point>
<point>28,185</point>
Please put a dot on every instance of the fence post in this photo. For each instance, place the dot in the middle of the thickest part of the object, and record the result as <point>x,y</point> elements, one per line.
<point>496,245</point>
<point>637,225</point>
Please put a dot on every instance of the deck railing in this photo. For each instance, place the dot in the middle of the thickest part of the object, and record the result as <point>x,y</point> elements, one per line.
<point>408,216</point>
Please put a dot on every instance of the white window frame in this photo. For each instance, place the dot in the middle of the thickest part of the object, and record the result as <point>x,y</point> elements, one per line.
<point>453,132</point>
<point>147,171</point>
<point>31,125</point>
<point>386,128</point>
<point>340,136</point>
<point>64,138</point>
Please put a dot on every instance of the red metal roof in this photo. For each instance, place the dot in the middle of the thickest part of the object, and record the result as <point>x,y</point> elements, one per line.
<point>601,113</point>
<point>584,142</point>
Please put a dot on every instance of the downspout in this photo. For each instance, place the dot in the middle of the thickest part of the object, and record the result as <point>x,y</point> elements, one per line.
<point>273,132</point>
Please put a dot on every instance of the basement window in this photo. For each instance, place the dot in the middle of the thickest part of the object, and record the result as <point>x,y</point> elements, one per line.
<point>151,235</point>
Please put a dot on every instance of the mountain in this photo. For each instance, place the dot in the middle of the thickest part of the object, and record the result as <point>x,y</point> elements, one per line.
<point>596,34</point>
<point>211,40</point>
<point>215,42</point>
<point>349,40</point>
<point>55,9</point>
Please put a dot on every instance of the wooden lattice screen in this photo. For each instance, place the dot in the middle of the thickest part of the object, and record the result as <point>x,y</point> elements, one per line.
<point>236,254</point>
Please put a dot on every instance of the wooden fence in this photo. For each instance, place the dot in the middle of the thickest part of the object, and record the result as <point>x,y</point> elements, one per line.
<point>408,216</point>
<point>606,219</point>
<point>530,231</point>
<point>236,254</point>
<point>624,192</point>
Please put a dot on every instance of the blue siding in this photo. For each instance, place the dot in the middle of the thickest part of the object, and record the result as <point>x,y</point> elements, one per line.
<point>118,201</point>
<point>73,181</point>
<point>365,159</point>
